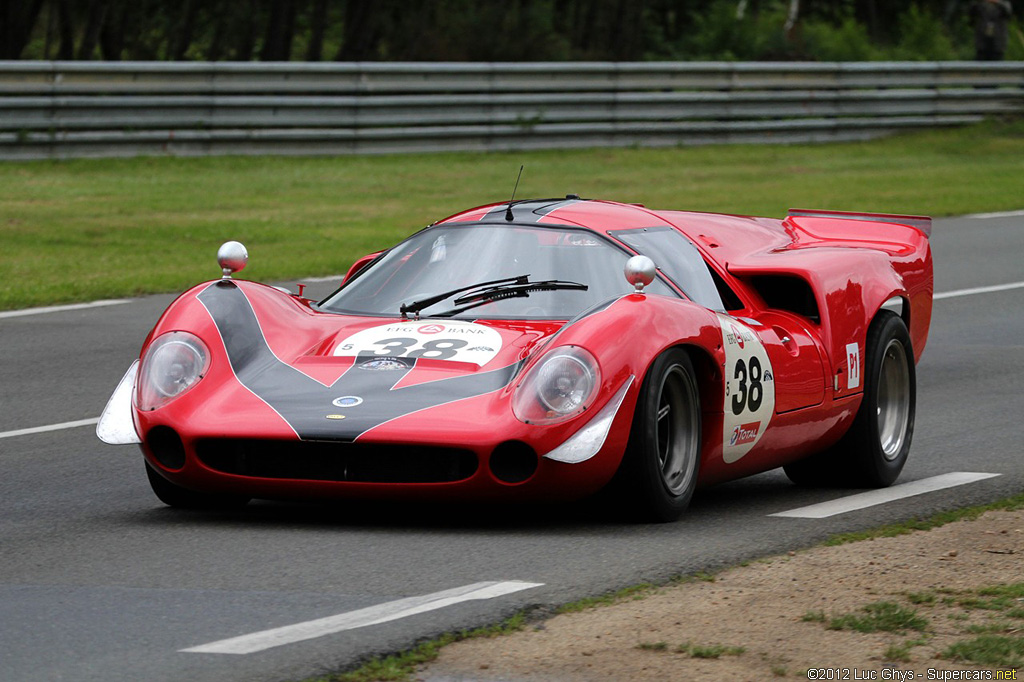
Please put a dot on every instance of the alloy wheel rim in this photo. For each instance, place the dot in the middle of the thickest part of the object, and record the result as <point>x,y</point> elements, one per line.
<point>677,430</point>
<point>893,400</point>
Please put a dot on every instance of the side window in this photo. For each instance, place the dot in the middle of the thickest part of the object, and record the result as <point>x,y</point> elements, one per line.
<point>729,297</point>
<point>681,261</point>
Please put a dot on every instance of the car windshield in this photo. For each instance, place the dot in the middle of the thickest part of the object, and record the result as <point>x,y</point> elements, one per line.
<point>449,257</point>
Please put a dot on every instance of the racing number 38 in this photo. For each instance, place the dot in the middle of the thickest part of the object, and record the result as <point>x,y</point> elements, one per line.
<point>749,391</point>
<point>453,341</point>
<point>438,349</point>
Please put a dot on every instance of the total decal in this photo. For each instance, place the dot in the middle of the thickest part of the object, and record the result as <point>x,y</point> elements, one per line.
<point>453,341</point>
<point>749,389</point>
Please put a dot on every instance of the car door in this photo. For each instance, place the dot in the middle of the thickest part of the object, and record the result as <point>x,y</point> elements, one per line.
<point>796,357</point>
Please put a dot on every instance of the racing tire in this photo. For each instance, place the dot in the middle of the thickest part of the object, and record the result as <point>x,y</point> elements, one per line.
<point>875,449</point>
<point>659,469</point>
<point>182,498</point>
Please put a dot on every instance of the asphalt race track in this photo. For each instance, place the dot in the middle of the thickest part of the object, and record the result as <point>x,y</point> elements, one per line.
<point>99,582</point>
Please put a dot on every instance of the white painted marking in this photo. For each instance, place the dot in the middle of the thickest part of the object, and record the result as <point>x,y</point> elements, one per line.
<point>876,497</point>
<point>1001,214</point>
<point>373,615</point>
<point>978,290</point>
<point>316,280</point>
<point>62,308</point>
<point>852,366</point>
<point>51,427</point>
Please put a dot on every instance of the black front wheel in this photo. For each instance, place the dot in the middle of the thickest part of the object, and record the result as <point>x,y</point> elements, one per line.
<point>175,496</point>
<point>659,470</point>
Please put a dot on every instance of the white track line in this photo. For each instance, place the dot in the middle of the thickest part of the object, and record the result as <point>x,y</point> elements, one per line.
<point>373,615</point>
<point>1001,214</point>
<point>62,308</point>
<point>51,427</point>
<point>978,290</point>
<point>876,497</point>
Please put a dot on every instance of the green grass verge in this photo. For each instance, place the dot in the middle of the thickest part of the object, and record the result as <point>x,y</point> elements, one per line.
<point>695,650</point>
<point>993,650</point>
<point>98,228</point>
<point>996,642</point>
<point>399,667</point>
<point>710,650</point>
<point>883,616</point>
<point>632,592</point>
<point>927,523</point>
<point>1006,598</point>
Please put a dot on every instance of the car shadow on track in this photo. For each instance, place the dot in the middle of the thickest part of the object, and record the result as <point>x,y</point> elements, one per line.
<point>762,494</point>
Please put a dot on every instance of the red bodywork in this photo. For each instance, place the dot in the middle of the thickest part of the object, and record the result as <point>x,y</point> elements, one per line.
<point>808,287</point>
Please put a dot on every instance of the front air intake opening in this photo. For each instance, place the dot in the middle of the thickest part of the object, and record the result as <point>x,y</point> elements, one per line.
<point>513,462</point>
<point>337,461</point>
<point>165,445</point>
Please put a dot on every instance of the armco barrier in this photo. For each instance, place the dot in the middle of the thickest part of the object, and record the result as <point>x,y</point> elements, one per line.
<point>81,109</point>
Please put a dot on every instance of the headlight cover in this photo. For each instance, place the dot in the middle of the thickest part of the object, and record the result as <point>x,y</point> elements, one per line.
<point>173,363</point>
<point>559,387</point>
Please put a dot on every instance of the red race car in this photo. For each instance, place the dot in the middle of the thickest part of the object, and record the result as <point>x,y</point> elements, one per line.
<point>546,349</point>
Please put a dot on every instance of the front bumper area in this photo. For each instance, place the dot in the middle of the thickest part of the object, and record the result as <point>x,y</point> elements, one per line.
<point>473,450</point>
<point>312,470</point>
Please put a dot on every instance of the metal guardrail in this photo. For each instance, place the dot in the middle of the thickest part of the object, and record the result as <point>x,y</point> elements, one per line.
<point>79,109</point>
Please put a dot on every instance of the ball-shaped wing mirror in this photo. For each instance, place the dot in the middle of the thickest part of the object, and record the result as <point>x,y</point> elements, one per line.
<point>639,272</point>
<point>232,257</point>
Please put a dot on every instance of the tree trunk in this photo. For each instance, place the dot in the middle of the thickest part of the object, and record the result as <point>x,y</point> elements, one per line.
<point>318,20</point>
<point>871,13</point>
<point>17,19</point>
<point>792,15</point>
<point>184,38</point>
<point>950,12</point>
<point>66,30</point>
<point>247,33</point>
<point>216,47</point>
<point>113,31</point>
<point>359,38</point>
<point>277,45</point>
<point>94,24</point>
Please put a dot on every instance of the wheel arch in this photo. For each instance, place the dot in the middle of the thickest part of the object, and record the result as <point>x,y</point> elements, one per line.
<point>709,375</point>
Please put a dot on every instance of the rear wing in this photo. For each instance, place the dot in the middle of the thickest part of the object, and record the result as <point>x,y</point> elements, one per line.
<point>923,223</point>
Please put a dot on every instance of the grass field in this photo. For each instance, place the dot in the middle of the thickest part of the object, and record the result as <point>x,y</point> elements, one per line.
<point>91,229</point>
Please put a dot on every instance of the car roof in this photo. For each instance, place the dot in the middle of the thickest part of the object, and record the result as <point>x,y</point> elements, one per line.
<point>721,237</point>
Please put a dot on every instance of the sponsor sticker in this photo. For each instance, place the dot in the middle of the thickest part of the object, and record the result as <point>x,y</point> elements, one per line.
<point>852,365</point>
<point>745,433</point>
<point>454,341</point>
<point>385,365</point>
<point>738,337</point>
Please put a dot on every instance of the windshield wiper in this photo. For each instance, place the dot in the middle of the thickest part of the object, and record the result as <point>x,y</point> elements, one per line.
<point>518,289</point>
<point>417,306</point>
<point>515,290</point>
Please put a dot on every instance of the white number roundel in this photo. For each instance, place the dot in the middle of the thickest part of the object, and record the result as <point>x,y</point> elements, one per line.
<point>455,341</point>
<point>749,389</point>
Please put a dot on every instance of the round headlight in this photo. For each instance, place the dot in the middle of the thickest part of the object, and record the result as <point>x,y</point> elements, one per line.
<point>173,364</point>
<point>562,385</point>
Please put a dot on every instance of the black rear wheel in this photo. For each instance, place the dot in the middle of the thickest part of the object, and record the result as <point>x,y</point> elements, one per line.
<point>875,449</point>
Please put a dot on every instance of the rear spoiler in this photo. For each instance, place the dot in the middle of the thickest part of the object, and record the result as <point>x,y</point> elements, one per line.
<point>923,223</point>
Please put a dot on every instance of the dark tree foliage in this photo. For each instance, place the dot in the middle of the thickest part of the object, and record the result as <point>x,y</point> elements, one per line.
<point>472,30</point>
